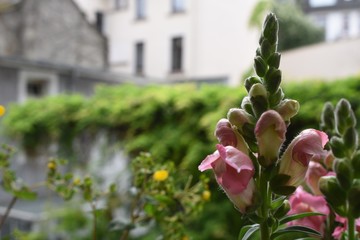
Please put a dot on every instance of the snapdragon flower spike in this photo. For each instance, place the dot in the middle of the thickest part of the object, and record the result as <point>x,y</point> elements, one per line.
<point>270,134</point>
<point>234,172</point>
<point>308,145</point>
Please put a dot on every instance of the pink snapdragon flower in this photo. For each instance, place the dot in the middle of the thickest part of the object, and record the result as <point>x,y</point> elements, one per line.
<point>302,202</point>
<point>234,172</point>
<point>270,135</point>
<point>313,175</point>
<point>339,230</point>
<point>308,145</point>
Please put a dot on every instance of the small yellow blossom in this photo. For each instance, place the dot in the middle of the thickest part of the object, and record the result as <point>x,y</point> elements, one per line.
<point>77,181</point>
<point>161,175</point>
<point>51,165</point>
<point>206,195</point>
<point>2,110</point>
<point>185,238</point>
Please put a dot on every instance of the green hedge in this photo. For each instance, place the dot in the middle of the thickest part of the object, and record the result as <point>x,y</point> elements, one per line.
<point>172,122</point>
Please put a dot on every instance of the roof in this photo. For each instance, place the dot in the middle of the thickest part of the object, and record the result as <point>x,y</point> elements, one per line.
<point>324,61</point>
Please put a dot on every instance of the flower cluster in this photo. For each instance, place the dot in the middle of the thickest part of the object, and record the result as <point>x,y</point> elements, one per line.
<point>248,162</point>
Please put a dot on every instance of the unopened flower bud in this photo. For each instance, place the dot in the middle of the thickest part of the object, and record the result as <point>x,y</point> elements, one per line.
<point>288,108</point>
<point>334,194</point>
<point>246,105</point>
<point>270,28</point>
<point>224,133</point>
<point>270,134</point>
<point>272,80</point>
<point>274,60</point>
<point>344,116</point>
<point>276,98</point>
<point>266,49</point>
<point>327,117</point>
<point>258,97</point>
<point>251,81</point>
<point>238,117</point>
<point>282,210</point>
<point>260,66</point>
<point>350,139</point>
<point>337,147</point>
<point>343,173</point>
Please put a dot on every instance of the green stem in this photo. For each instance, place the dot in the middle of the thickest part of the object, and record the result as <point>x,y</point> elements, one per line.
<point>351,228</point>
<point>93,208</point>
<point>10,206</point>
<point>264,190</point>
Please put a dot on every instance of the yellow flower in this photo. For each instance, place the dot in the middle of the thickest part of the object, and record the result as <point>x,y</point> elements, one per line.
<point>185,238</point>
<point>51,165</point>
<point>161,175</point>
<point>2,110</point>
<point>77,181</point>
<point>206,195</point>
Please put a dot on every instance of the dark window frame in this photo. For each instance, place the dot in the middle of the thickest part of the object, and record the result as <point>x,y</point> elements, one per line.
<point>139,58</point>
<point>177,54</point>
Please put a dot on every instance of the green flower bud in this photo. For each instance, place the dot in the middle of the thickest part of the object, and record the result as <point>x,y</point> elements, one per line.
<point>343,173</point>
<point>251,81</point>
<point>328,117</point>
<point>246,105</point>
<point>355,163</point>
<point>274,60</point>
<point>337,147</point>
<point>258,98</point>
<point>260,66</point>
<point>258,51</point>
<point>350,139</point>
<point>276,98</point>
<point>353,197</point>
<point>282,210</point>
<point>273,80</point>
<point>344,116</point>
<point>238,117</point>
<point>266,49</point>
<point>288,108</point>
<point>333,193</point>
<point>270,28</point>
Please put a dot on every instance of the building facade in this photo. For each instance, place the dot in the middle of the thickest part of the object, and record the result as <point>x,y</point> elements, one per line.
<point>339,18</point>
<point>177,40</point>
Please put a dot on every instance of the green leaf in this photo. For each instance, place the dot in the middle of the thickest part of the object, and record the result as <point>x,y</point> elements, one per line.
<point>293,217</point>
<point>298,231</point>
<point>25,194</point>
<point>248,231</point>
<point>277,202</point>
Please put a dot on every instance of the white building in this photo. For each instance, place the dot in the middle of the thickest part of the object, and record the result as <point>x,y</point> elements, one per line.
<point>340,18</point>
<point>177,40</point>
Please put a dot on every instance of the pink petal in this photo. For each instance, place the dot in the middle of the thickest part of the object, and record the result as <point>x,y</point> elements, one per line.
<point>210,159</point>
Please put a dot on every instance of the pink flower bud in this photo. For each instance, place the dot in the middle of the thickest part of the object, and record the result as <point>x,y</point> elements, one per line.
<point>308,145</point>
<point>270,134</point>
<point>225,133</point>
<point>313,174</point>
<point>288,108</point>
<point>238,117</point>
<point>233,171</point>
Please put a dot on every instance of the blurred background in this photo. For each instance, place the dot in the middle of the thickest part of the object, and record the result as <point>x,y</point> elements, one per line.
<point>167,71</point>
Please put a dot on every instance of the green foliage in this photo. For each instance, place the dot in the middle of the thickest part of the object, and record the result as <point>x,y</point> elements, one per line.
<point>171,122</point>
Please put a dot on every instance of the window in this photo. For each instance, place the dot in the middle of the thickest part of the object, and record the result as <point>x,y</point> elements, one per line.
<point>139,58</point>
<point>36,85</point>
<point>99,21</point>
<point>177,6</point>
<point>140,9</point>
<point>176,54</point>
<point>345,29</point>
<point>37,88</point>
<point>120,4</point>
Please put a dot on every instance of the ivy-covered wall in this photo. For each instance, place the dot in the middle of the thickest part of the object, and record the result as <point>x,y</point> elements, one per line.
<point>174,123</point>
